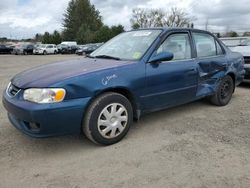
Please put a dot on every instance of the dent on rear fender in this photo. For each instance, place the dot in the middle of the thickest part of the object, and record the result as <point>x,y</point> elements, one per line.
<point>209,77</point>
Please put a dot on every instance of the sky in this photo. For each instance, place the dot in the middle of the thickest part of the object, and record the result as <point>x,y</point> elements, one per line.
<point>24,18</point>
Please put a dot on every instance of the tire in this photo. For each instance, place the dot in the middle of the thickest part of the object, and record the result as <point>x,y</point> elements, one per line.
<point>25,53</point>
<point>99,117</point>
<point>55,52</point>
<point>44,52</point>
<point>224,92</point>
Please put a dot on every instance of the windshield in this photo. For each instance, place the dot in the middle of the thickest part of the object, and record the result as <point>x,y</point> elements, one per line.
<point>128,46</point>
<point>245,43</point>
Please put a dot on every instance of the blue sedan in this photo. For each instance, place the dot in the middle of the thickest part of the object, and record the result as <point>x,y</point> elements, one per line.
<point>137,72</point>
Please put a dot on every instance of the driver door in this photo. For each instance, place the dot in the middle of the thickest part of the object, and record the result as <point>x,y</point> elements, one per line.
<point>174,82</point>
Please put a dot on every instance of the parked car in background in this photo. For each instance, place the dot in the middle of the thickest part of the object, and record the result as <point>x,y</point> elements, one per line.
<point>137,72</point>
<point>244,49</point>
<point>46,49</point>
<point>233,41</point>
<point>80,48</point>
<point>69,43</point>
<point>60,46</point>
<point>5,50</point>
<point>88,48</point>
<point>65,49</point>
<point>24,49</point>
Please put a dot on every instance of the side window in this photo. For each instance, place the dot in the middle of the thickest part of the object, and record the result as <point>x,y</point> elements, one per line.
<point>178,44</point>
<point>50,46</point>
<point>205,44</point>
<point>219,49</point>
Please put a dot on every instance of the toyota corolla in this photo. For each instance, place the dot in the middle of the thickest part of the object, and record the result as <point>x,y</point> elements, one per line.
<point>136,72</point>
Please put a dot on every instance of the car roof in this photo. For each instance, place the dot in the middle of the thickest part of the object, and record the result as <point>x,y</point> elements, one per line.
<point>166,29</point>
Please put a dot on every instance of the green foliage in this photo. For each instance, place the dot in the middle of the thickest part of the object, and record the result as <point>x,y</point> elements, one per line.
<point>246,34</point>
<point>105,33</point>
<point>80,21</point>
<point>231,34</point>
<point>48,38</point>
<point>38,37</point>
<point>3,39</point>
<point>56,38</point>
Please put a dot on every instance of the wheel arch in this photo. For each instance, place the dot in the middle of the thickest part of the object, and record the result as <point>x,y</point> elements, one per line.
<point>232,75</point>
<point>126,93</point>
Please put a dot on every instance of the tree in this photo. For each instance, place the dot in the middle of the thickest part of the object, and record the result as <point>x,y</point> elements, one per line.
<point>116,30</point>
<point>105,33</point>
<point>246,34</point>
<point>231,34</point>
<point>38,37</point>
<point>46,38</point>
<point>56,38</point>
<point>80,19</point>
<point>145,18</point>
<point>177,18</point>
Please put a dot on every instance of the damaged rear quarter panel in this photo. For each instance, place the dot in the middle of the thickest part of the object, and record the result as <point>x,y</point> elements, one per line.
<point>211,70</point>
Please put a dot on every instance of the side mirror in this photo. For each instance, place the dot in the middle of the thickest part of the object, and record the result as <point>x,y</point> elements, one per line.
<point>163,56</point>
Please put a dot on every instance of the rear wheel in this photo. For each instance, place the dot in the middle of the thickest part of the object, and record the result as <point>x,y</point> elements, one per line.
<point>44,52</point>
<point>224,92</point>
<point>108,119</point>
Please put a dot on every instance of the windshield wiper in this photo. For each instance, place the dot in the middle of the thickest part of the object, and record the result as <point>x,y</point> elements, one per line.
<point>106,57</point>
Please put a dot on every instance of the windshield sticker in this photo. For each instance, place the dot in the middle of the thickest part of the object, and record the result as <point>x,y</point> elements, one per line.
<point>137,55</point>
<point>142,34</point>
<point>107,79</point>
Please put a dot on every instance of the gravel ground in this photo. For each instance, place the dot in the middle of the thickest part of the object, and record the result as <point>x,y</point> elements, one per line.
<point>193,145</point>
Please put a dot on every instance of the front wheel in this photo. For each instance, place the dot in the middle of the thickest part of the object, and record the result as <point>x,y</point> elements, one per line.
<point>224,92</point>
<point>108,119</point>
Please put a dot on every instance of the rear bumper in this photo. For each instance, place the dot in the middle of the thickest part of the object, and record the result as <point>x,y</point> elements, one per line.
<point>45,120</point>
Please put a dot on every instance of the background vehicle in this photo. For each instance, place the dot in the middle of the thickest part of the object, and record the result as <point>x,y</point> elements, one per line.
<point>5,50</point>
<point>46,49</point>
<point>69,43</point>
<point>88,48</point>
<point>23,49</point>
<point>244,49</point>
<point>136,72</point>
<point>65,49</point>
<point>233,41</point>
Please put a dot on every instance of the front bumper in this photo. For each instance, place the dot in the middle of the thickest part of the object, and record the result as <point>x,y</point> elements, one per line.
<point>247,74</point>
<point>44,120</point>
<point>37,51</point>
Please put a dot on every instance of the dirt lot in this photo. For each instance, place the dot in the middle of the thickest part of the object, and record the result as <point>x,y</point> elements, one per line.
<point>194,145</point>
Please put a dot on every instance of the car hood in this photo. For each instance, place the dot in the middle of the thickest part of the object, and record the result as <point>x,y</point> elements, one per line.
<point>47,75</point>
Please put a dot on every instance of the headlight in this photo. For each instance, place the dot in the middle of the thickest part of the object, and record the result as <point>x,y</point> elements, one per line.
<point>48,95</point>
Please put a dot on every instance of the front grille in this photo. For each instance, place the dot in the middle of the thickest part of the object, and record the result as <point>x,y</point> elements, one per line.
<point>12,90</point>
<point>247,59</point>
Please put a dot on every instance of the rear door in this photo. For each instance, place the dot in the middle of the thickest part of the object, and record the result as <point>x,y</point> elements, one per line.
<point>172,82</point>
<point>211,61</point>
